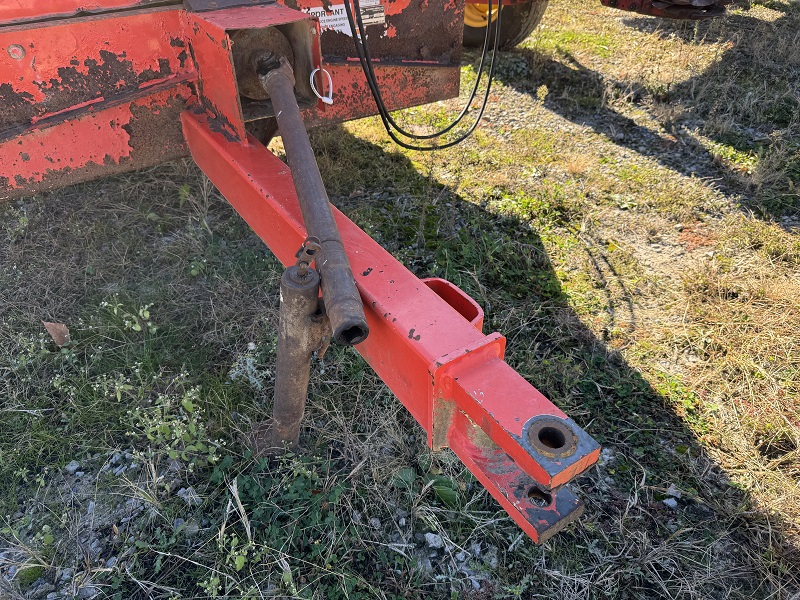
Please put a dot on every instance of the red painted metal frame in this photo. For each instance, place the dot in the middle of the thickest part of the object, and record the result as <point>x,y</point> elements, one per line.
<point>450,376</point>
<point>18,11</point>
<point>140,82</point>
<point>122,78</point>
<point>77,63</point>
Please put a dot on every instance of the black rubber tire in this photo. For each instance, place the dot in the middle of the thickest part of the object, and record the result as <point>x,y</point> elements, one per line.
<point>518,21</point>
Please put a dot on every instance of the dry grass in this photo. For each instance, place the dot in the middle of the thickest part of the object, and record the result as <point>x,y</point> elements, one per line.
<point>627,222</point>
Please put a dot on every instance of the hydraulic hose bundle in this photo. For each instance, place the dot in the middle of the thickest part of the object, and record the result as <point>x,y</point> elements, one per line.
<point>391,126</point>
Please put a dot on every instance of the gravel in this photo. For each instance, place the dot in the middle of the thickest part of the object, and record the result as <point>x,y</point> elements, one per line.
<point>434,540</point>
<point>105,527</point>
<point>671,503</point>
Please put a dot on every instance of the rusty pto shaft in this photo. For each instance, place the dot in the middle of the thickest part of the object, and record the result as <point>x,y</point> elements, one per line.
<point>342,301</point>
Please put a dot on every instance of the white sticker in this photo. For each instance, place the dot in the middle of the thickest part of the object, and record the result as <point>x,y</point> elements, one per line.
<point>336,19</point>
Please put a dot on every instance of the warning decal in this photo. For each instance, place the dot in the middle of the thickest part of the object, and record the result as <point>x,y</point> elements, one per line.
<point>372,13</point>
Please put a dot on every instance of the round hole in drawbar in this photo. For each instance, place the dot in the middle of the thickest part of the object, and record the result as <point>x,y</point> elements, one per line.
<point>552,438</point>
<point>540,498</point>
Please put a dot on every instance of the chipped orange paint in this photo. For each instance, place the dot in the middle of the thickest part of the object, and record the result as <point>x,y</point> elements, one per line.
<point>40,153</point>
<point>71,65</point>
<point>74,70</point>
<point>390,7</point>
<point>26,158</point>
<point>46,47</point>
<point>419,85</point>
<point>396,7</point>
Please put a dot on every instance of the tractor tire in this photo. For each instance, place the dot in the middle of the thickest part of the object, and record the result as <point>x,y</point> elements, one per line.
<point>518,21</point>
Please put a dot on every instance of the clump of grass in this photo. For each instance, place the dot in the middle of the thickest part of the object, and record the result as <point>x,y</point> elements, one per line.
<point>769,241</point>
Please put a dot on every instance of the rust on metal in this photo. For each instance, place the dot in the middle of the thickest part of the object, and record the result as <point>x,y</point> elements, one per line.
<point>436,25</point>
<point>84,78</point>
<point>302,330</point>
<point>416,84</point>
<point>249,44</point>
<point>23,11</point>
<point>342,301</point>
<point>97,60</point>
<point>206,5</point>
<point>551,437</point>
<point>540,513</point>
<point>142,133</point>
<point>210,50</point>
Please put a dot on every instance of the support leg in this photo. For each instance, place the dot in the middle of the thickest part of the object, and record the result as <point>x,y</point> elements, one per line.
<point>303,329</point>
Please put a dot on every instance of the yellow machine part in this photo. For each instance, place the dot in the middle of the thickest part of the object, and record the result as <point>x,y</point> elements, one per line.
<point>477,15</point>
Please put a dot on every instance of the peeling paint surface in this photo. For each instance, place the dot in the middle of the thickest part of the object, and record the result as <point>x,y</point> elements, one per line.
<point>85,60</point>
<point>412,85</point>
<point>134,135</point>
<point>17,11</point>
<point>411,31</point>
<point>86,76</point>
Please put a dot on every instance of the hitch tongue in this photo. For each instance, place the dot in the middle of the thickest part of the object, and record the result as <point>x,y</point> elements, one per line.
<point>342,300</point>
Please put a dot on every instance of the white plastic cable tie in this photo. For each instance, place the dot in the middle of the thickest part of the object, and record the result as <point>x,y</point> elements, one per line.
<point>326,99</point>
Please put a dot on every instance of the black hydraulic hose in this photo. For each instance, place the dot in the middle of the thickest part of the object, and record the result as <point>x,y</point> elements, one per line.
<point>362,49</point>
<point>371,76</point>
<point>359,31</point>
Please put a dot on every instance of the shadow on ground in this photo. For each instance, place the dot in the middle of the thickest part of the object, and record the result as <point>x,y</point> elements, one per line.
<point>649,450</point>
<point>731,92</point>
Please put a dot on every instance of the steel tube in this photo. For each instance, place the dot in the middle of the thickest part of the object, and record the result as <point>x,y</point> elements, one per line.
<point>301,332</point>
<point>342,301</point>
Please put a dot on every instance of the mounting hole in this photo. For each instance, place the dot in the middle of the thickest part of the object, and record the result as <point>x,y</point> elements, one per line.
<point>552,438</point>
<point>540,498</point>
